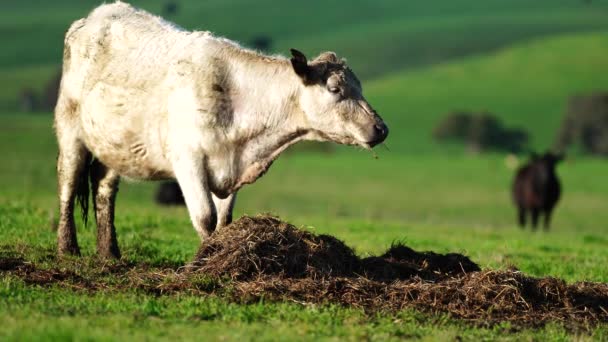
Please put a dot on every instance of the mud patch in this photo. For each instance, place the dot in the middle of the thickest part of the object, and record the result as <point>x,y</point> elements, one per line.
<point>265,258</point>
<point>8,263</point>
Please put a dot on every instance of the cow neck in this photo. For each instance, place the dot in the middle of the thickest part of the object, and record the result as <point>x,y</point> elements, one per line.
<point>272,121</point>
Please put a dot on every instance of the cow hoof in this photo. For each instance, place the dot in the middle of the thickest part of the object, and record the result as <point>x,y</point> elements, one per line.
<point>112,253</point>
<point>68,249</point>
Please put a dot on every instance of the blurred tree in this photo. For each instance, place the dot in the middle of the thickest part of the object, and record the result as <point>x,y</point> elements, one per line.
<point>170,8</point>
<point>51,92</point>
<point>262,43</point>
<point>453,126</point>
<point>480,132</point>
<point>586,124</point>
<point>28,100</point>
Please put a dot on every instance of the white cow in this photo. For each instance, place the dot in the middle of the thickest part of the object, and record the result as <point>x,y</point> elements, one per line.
<point>142,98</point>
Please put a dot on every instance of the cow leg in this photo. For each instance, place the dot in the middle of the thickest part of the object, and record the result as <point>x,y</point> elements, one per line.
<point>71,176</point>
<point>70,167</point>
<point>547,223</point>
<point>104,182</point>
<point>192,180</point>
<point>535,214</point>
<point>224,210</point>
<point>522,217</point>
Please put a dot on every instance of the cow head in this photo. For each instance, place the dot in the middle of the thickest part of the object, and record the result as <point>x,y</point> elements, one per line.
<point>551,159</point>
<point>548,160</point>
<point>333,102</point>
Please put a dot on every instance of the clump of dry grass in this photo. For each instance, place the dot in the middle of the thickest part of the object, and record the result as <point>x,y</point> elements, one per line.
<point>266,245</point>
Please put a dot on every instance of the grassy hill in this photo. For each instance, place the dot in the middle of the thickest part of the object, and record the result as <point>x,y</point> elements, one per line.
<point>527,85</point>
<point>378,37</point>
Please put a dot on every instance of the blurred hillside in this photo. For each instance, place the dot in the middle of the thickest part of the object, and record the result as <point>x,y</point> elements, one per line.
<point>527,85</point>
<point>377,36</point>
<point>410,50</point>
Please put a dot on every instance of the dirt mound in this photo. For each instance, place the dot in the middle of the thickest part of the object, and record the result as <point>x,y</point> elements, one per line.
<point>401,262</point>
<point>253,246</point>
<point>263,245</point>
<point>268,258</point>
<point>483,298</point>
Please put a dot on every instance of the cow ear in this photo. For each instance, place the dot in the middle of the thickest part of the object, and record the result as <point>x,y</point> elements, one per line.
<point>300,65</point>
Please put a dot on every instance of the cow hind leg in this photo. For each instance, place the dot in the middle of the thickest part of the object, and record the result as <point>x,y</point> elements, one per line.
<point>104,182</point>
<point>72,179</point>
<point>224,209</point>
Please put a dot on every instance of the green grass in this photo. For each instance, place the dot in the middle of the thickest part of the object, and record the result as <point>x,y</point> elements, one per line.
<point>438,202</point>
<point>110,317</point>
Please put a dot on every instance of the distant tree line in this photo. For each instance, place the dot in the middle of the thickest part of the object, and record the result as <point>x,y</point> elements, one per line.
<point>480,132</point>
<point>586,124</point>
<point>45,101</point>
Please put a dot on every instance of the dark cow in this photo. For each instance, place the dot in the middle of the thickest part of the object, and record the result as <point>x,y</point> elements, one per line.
<point>169,193</point>
<point>536,188</point>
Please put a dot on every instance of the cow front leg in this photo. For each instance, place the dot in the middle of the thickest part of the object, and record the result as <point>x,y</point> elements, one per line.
<point>535,214</point>
<point>521,215</point>
<point>547,224</point>
<point>104,182</point>
<point>192,180</point>
<point>224,209</point>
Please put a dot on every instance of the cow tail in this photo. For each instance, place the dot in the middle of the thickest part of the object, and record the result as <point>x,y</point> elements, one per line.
<point>83,190</point>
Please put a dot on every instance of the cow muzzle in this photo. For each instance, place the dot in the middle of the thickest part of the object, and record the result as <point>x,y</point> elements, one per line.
<point>380,134</point>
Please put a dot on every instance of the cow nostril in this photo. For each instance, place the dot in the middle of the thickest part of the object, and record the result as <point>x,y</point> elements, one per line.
<point>380,128</point>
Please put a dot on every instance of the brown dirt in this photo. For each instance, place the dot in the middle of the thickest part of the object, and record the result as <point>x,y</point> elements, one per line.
<point>263,257</point>
<point>265,245</point>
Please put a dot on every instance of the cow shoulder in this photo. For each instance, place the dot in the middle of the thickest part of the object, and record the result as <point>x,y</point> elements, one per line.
<point>202,87</point>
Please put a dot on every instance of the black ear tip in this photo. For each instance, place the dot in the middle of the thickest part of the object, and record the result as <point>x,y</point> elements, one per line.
<point>297,54</point>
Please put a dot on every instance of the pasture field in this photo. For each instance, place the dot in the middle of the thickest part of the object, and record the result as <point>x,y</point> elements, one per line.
<point>519,59</point>
<point>443,203</point>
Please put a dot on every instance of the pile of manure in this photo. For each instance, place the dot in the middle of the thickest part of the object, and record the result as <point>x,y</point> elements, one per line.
<point>265,257</point>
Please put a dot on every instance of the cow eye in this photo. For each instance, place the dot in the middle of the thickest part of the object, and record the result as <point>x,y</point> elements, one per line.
<point>334,90</point>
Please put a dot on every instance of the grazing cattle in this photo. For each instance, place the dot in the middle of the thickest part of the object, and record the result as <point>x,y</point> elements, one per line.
<point>169,193</point>
<point>536,188</point>
<point>144,99</point>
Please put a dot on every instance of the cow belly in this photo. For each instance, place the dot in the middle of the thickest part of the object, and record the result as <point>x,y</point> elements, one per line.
<point>121,135</point>
<point>131,163</point>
